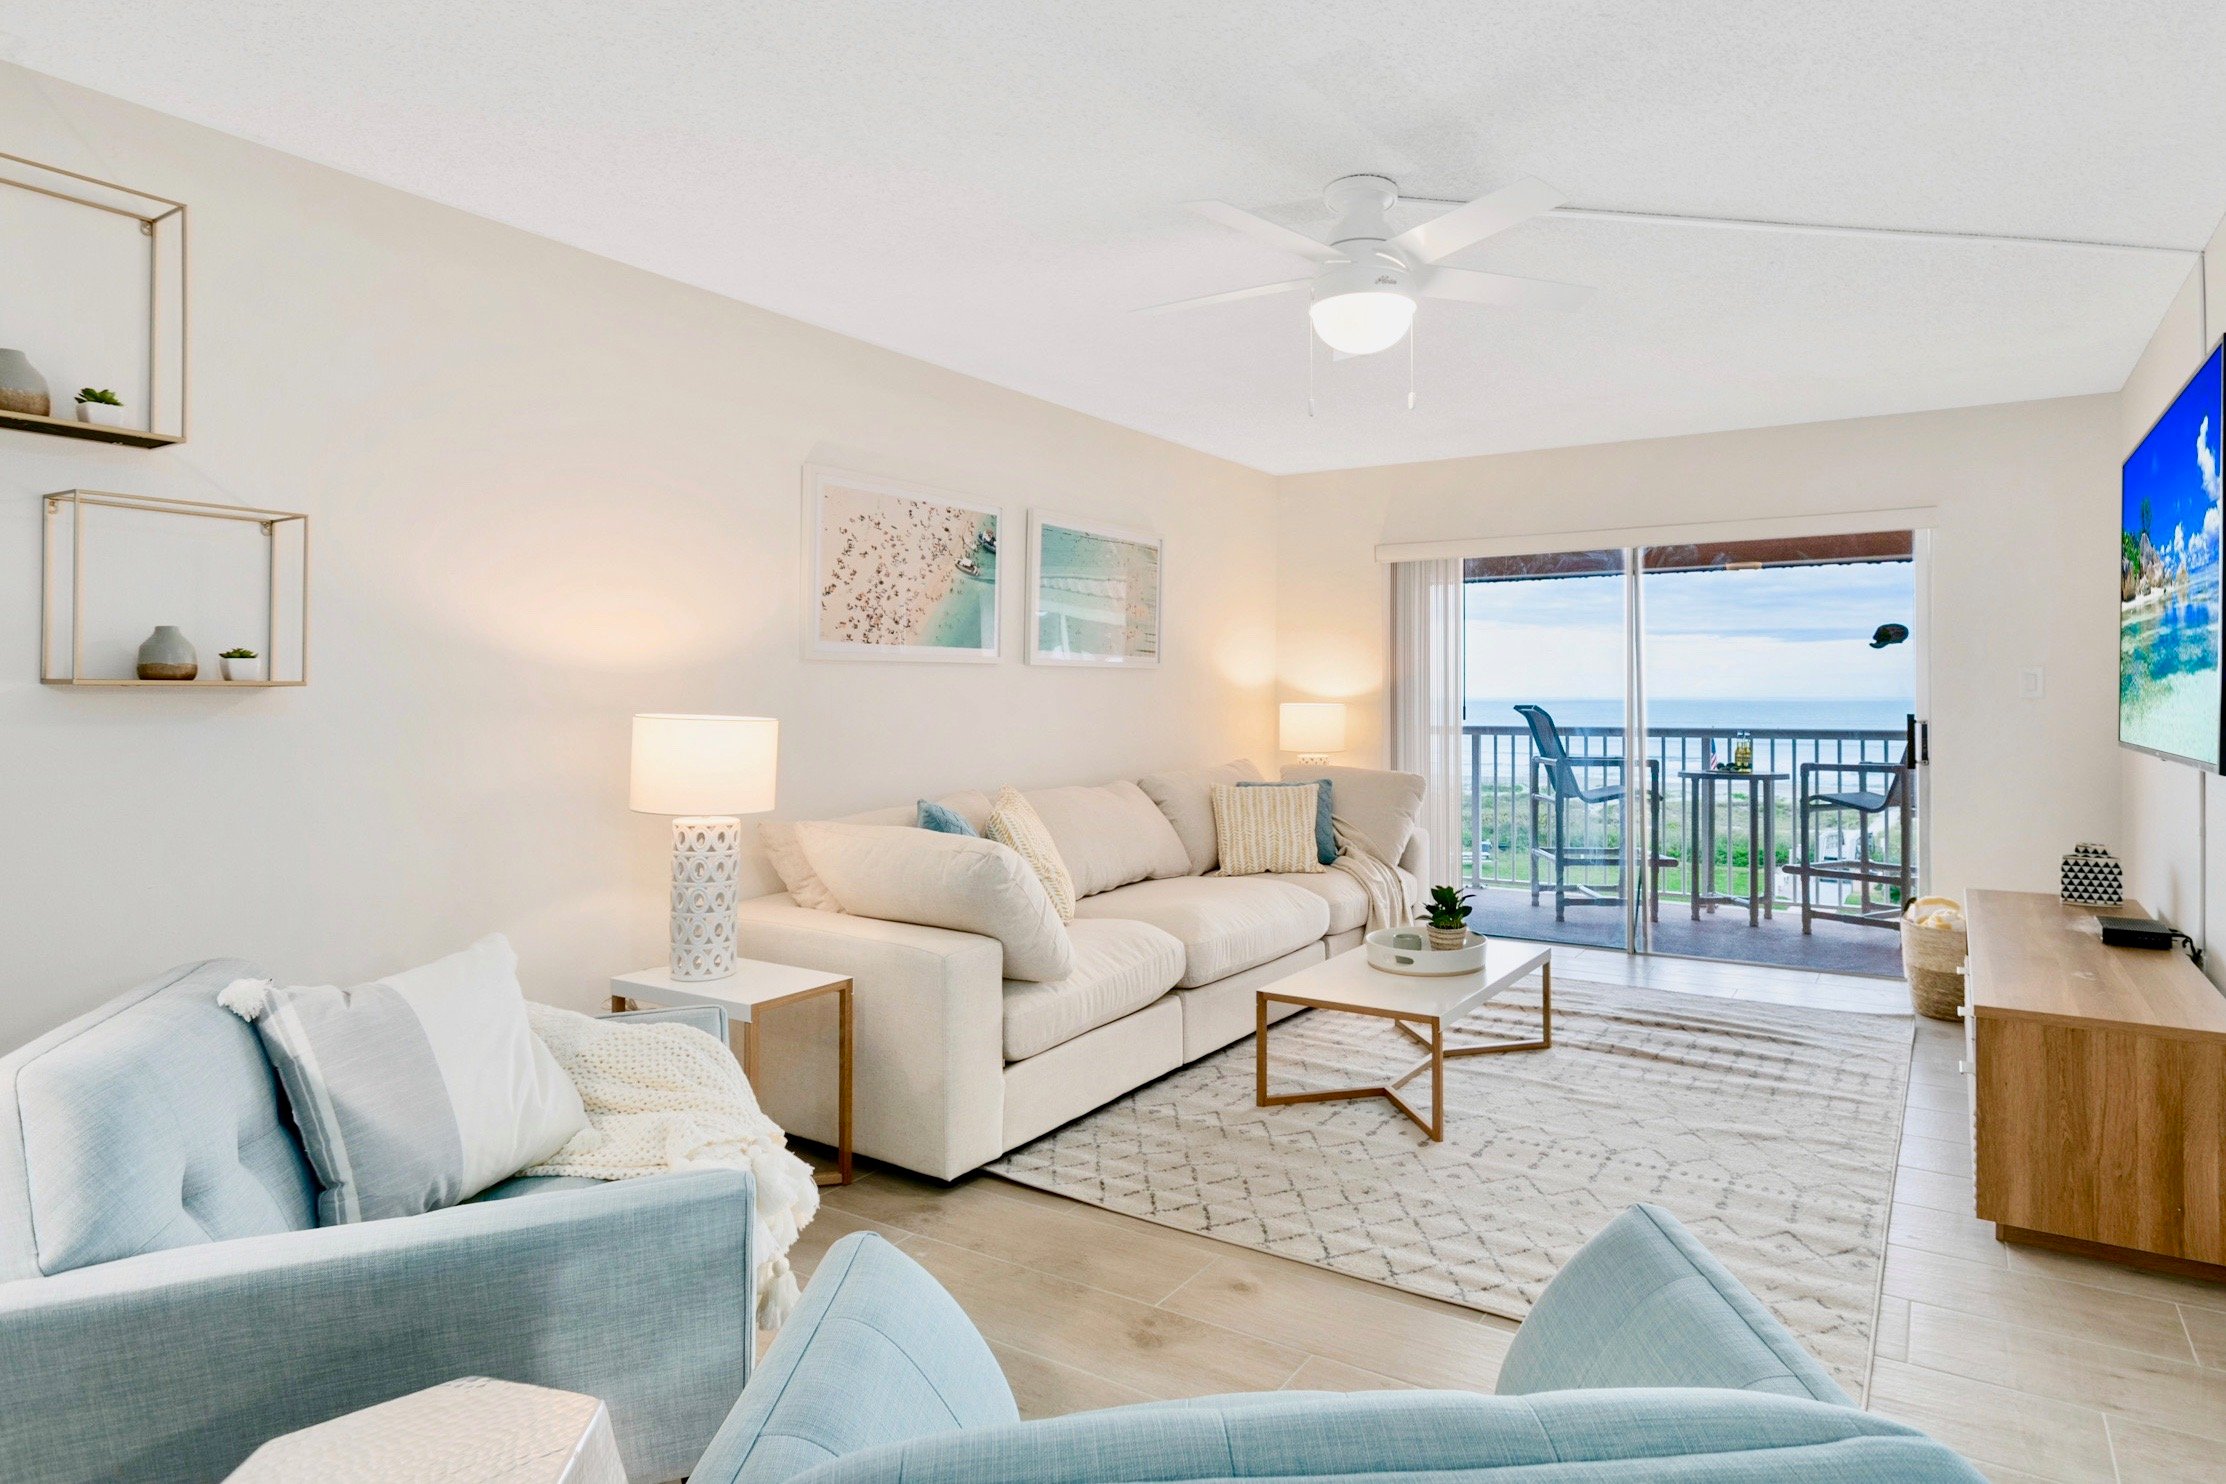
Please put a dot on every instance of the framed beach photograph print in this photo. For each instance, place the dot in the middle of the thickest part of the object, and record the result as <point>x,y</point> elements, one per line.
<point>897,571</point>
<point>1095,595</point>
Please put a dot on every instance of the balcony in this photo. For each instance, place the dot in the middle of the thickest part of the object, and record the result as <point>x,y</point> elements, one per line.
<point>1497,862</point>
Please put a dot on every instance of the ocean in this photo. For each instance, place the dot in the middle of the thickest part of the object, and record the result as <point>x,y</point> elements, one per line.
<point>1726,713</point>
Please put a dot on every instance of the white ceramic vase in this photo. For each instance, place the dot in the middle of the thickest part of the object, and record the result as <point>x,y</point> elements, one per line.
<point>167,655</point>
<point>100,414</point>
<point>22,389</point>
<point>249,669</point>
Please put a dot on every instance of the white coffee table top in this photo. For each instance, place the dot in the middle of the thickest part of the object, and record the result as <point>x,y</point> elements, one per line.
<point>1349,981</point>
<point>468,1431</point>
<point>753,982</point>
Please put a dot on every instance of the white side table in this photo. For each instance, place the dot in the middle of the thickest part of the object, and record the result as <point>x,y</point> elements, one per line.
<point>468,1431</point>
<point>753,986</point>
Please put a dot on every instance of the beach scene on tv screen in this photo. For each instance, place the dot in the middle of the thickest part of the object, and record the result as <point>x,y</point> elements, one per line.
<point>2168,579</point>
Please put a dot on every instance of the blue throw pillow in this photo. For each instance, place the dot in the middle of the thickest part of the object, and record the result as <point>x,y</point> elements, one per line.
<point>945,821</point>
<point>1325,834</point>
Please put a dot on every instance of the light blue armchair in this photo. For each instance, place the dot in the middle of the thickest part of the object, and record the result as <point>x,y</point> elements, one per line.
<point>1643,1361</point>
<point>167,1301</point>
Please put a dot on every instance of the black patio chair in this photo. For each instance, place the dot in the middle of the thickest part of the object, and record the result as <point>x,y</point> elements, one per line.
<point>1893,800</point>
<point>1557,780</point>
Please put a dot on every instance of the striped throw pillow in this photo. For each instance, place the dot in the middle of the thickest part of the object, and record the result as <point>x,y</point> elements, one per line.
<point>1014,822</point>
<point>1258,830</point>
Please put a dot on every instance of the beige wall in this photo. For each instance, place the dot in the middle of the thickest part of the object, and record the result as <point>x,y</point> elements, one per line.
<point>2161,833</point>
<point>2023,553</point>
<point>548,491</point>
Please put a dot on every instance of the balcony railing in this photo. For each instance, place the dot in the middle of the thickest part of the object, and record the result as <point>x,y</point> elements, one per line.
<point>1499,780</point>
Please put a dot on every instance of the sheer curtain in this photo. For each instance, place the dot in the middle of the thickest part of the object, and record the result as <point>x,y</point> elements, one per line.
<point>1428,663</point>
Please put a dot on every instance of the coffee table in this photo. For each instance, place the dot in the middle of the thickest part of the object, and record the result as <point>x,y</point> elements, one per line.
<point>1351,985</point>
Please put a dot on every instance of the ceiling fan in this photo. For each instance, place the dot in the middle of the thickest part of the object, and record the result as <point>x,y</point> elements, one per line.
<point>1365,293</point>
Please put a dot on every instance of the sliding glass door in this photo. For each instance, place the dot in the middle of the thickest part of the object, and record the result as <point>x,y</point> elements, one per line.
<point>1544,716</point>
<point>1708,750</point>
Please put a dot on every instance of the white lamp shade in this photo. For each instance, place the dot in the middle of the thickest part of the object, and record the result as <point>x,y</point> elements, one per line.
<point>1313,726</point>
<point>704,764</point>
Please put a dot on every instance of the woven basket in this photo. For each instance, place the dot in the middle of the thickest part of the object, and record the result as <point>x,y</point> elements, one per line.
<point>1930,957</point>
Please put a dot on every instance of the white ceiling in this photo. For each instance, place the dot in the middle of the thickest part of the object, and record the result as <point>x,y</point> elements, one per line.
<point>992,185</point>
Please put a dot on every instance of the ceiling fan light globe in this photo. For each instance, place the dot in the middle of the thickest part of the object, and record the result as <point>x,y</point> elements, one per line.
<point>1363,322</point>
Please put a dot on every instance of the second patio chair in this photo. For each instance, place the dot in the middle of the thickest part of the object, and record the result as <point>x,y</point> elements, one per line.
<point>1560,780</point>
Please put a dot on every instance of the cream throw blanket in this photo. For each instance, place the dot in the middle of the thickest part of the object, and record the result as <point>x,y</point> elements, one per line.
<point>667,1097</point>
<point>1388,906</point>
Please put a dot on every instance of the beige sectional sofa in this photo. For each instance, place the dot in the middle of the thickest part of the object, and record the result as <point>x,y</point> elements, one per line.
<point>954,1064</point>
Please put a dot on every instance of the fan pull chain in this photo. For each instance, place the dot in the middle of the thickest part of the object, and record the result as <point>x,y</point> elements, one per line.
<point>1411,329</point>
<point>1309,323</point>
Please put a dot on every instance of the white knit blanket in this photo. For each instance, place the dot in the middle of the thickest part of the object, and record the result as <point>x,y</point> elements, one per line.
<point>663,1097</point>
<point>1388,906</point>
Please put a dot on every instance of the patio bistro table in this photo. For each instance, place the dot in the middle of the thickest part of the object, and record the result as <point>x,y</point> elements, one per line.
<point>1762,839</point>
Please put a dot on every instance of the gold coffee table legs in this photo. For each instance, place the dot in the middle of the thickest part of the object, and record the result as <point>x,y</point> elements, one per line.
<point>1433,1063</point>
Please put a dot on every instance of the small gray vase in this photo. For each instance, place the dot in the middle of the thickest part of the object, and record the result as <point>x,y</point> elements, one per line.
<point>167,656</point>
<point>22,389</point>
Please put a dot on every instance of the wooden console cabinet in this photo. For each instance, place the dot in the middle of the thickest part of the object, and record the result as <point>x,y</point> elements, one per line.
<point>2098,1087</point>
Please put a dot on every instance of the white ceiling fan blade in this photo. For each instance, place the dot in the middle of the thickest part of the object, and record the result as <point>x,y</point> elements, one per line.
<point>1442,236</point>
<point>1502,289</point>
<point>1272,233</point>
<point>1256,291</point>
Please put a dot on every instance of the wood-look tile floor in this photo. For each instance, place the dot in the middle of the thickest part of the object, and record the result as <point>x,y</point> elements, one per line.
<point>2033,1365</point>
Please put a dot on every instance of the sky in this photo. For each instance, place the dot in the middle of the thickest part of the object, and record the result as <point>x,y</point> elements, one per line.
<point>1784,632</point>
<point>2175,470</point>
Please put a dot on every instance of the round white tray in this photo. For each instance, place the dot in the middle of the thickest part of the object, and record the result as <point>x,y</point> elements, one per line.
<point>1408,951</point>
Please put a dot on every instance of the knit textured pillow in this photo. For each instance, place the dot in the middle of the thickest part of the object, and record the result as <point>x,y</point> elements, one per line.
<point>1258,830</point>
<point>1013,822</point>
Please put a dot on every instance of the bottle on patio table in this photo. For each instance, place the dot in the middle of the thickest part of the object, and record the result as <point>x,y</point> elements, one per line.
<point>1742,752</point>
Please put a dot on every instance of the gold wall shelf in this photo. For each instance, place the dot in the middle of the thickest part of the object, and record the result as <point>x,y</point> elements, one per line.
<point>63,523</point>
<point>162,222</point>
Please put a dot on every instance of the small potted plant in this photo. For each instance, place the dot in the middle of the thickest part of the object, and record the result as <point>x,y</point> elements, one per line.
<point>100,406</point>
<point>241,664</point>
<point>1449,919</point>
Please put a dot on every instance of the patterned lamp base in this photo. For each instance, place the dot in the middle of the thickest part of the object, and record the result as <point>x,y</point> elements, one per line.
<point>706,859</point>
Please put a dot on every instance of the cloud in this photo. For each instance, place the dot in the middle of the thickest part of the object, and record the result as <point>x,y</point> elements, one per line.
<point>2206,463</point>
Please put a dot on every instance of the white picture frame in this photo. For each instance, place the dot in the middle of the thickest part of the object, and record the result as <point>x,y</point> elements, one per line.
<point>871,547</point>
<point>1059,596</point>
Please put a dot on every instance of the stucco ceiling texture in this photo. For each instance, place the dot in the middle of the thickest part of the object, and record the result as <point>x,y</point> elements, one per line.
<point>993,186</point>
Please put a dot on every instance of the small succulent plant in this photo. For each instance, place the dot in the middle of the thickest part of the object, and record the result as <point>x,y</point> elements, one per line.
<point>237,654</point>
<point>102,395</point>
<point>1447,910</point>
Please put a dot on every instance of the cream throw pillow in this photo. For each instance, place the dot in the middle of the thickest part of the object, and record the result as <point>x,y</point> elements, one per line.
<point>788,860</point>
<point>1013,822</point>
<point>1262,830</point>
<point>1109,835</point>
<point>945,881</point>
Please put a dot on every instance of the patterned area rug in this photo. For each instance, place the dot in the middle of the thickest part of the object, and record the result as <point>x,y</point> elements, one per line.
<point>1771,1132</point>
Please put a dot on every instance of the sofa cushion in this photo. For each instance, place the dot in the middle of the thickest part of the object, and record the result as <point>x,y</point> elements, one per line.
<point>1109,836</point>
<point>150,1123</point>
<point>947,881</point>
<point>1119,966</point>
<point>1225,924</point>
<point>778,839</point>
<point>1379,809</point>
<point>1186,798</point>
<point>1347,903</point>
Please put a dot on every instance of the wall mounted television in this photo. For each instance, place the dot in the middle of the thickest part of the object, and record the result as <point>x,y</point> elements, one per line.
<point>2169,691</point>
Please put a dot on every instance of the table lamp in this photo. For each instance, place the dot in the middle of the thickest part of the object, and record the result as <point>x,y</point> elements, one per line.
<point>705,770</point>
<point>1313,729</point>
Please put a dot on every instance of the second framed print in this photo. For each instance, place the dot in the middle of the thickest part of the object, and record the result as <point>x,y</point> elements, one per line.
<point>1094,593</point>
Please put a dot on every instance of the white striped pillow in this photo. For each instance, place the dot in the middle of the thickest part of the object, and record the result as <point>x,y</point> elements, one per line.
<point>1259,830</point>
<point>1014,822</point>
